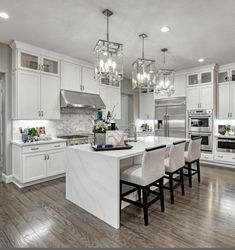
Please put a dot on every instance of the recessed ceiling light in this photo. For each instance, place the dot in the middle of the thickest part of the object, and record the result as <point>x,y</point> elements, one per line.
<point>201,60</point>
<point>165,29</point>
<point>4,15</point>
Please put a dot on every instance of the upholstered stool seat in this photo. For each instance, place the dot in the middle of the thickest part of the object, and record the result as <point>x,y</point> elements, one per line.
<point>142,177</point>
<point>174,164</point>
<point>192,156</point>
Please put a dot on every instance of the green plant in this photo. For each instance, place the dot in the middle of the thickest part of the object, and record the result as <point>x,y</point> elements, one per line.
<point>227,128</point>
<point>100,128</point>
<point>32,131</point>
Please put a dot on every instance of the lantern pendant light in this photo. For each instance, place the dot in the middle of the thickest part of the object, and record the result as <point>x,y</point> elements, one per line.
<point>165,79</point>
<point>109,58</point>
<point>143,70</point>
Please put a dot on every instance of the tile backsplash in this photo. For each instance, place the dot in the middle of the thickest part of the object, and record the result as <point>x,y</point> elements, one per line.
<point>70,123</point>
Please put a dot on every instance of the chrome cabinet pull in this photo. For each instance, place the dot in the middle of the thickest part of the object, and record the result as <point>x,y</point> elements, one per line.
<point>34,149</point>
<point>42,113</point>
<point>56,146</point>
<point>39,113</point>
<point>45,157</point>
<point>48,157</point>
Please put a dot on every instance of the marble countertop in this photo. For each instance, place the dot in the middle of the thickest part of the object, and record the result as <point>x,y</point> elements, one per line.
<point>22,144</point>
<point>138,147</point>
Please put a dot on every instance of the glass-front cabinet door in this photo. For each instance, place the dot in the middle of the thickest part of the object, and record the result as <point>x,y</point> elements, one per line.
<point>233,75</point>
<point>223,76</point>
<point>29,61</point>
<point>50,66</point>
<point>193,79</point>
<point>206,77</point>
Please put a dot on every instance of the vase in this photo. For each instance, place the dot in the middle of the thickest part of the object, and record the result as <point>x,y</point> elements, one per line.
<point>100,138</point>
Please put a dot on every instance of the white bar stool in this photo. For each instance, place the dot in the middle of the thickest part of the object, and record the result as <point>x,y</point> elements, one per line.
<point>175,165</point>
<point>193,155</point>
<point>141,177</point>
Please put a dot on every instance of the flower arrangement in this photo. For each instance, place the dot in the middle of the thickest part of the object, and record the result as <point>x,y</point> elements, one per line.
<point>100,127</point>
<point>227,128</point>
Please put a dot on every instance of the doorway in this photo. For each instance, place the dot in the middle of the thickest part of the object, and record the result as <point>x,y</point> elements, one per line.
<point>127,115</point>
<point>2,82</point>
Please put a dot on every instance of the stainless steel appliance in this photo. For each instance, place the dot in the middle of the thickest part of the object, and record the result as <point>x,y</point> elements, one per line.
<point>200,120</point>
<point>170,117</point>
<point>73,140</point>
<point>206,144</point>
<point>225,144</point>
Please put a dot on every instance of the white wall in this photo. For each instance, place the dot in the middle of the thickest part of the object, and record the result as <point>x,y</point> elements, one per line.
<point>5,67</point>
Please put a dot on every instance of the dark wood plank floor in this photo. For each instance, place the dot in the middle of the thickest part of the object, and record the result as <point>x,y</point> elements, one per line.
<point>39,216</point>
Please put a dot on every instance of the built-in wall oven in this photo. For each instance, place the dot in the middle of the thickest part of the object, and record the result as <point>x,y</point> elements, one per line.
<point>201,124</point>
<point>200,120</point>
<point>225,144</point>
<point>206,144</point>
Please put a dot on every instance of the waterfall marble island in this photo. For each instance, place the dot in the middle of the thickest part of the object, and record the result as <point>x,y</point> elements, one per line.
<point>93,178</point>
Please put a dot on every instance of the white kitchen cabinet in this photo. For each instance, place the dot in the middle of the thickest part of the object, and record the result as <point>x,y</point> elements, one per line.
<point>111,97</point>
<point>226,100</point>
<point>200,97</point>
<point>198,78</point>
<point>37,162</point>
<point>75,77</point>
<point>55,163</point>
<point>70,76</point>
<point>223,101</point>
<point>26,97</point>
<point>34,167</point>
<point>50,97</point>
<point>90,85</point>
<point>146,106</point>
<point>35,95</point>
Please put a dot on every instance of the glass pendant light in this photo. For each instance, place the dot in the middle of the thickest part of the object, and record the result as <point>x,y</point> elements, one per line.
<point>165,79</point>
<point>143,71</point>
<point>109,58</point>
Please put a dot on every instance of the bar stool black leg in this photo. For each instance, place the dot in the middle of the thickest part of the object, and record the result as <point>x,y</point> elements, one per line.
<point>171,188</point>
<point>190,174</point>
<point>182,180</point>
<point>198,171</point>
<point>120,199</point>
<point>145,206</point>
<point>139,194</point>
<point>162,195</point>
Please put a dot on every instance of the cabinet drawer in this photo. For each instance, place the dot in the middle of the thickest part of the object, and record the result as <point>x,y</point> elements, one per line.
<point>206,157</point>
<point>225,158</point>
<point>44,147</point>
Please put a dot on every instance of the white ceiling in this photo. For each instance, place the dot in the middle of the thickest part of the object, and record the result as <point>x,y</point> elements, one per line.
<point>199,28</point>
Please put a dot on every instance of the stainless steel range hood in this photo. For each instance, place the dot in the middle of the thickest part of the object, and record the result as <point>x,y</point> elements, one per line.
<point>73,99</point>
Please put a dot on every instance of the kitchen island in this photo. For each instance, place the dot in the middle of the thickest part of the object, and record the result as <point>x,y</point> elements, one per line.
<point>92,178</point>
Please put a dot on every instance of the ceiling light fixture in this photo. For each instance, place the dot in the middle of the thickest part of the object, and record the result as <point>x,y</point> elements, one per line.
<point>165,29</point>
<point>165,79</point>
<point>4,15</point>
<point>109,58</point>
<point>143,70</point>
<point>201,60</point>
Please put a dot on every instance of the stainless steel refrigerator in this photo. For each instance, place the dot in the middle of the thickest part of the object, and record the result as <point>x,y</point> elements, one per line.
<point>170,117</point>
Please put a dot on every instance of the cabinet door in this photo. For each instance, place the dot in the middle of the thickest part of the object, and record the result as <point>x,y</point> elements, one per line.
<point>146,106</point>
<point>193,98</point>
<point>50,66</point>
<point>223,101</point>
<point>88,82</point>
<point>70,76</point>
<point>28,60</point>
<point>232,99</point>
<point>232,75</point>
<point>193,79</point>
<point>34,167</point>
<point>55,163</point>
<point>206,97</point>
<point>27,92</point>
<point>50,97</point>
<point>223,76</point>
<point>206,77</point>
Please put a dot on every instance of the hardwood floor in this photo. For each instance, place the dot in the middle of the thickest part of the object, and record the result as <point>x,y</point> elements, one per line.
<point>39,216</point>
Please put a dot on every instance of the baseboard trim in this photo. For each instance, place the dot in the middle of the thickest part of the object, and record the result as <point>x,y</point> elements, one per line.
<point>7,178</point>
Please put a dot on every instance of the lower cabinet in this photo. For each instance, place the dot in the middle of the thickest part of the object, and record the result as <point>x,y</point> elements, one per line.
<point>33,163</point>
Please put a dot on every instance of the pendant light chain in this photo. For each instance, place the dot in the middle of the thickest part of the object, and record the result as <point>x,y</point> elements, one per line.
<point>143,47</point>
<point>107,28</point>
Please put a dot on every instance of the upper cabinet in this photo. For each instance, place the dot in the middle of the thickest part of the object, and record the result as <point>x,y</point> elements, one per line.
<point>226,92</point>
<point>37,63</point>
<point>206,77</point>
<point>75,77</point>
